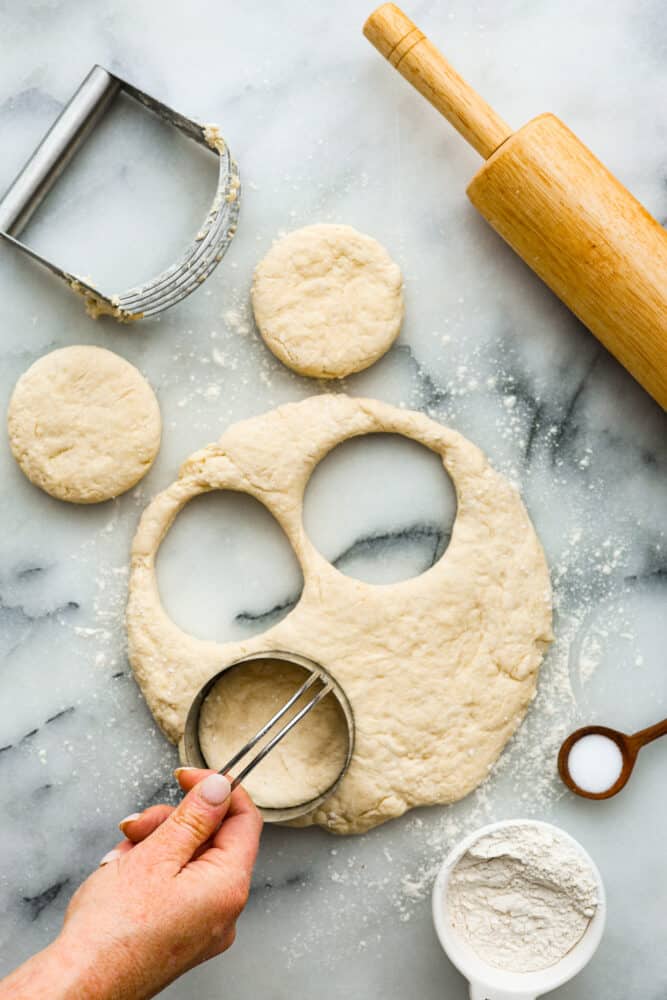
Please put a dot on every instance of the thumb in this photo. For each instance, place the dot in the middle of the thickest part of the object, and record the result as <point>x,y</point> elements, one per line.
<point>191,824</point>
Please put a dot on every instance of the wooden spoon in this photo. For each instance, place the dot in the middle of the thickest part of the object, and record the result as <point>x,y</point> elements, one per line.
<point>629,745</point>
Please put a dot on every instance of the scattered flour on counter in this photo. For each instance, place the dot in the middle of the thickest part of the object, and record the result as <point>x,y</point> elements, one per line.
<point>592,576</point>
<point>522,897</point>
<point>238,319</point>
<point>388,876</point>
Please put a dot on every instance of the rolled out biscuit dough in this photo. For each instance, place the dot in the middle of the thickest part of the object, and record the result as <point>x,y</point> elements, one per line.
<point>328,300</point>
<point>84,424</point>
<point>439,669</point>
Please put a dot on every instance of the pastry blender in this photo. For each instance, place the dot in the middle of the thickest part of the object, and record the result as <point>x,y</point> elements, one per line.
<point>75,123</point>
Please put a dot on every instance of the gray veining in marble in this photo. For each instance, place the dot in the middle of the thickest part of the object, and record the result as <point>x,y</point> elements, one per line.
<point>325,131</point>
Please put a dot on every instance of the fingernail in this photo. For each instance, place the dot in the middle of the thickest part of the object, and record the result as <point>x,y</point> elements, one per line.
<point>111,856</point>
<point>129,819</point>
<point>179,770</point>
<point>214,789</point>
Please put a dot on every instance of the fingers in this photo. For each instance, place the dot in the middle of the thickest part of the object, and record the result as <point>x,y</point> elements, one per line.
<point>140,825</point>
<point>247,825</point>
<point>118,851</point>
<point>188,777</point>
<point>190,825</point>
<point>236,843</point>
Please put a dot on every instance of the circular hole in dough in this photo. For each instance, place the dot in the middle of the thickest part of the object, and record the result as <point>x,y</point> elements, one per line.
<point>380,508</point>
<point>306,762</point>
<point>226,569</point>
<point>84,424</point>
<point>328,300</point>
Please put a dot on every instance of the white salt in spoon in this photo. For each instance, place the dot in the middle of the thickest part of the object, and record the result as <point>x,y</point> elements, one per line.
<point>488,982</point>
<point>597,762</point>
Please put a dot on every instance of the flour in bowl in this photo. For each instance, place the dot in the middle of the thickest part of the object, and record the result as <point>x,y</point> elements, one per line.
<point>522,897</point>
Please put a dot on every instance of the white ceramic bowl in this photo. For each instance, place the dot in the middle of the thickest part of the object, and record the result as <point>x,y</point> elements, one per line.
<point>488,982</point>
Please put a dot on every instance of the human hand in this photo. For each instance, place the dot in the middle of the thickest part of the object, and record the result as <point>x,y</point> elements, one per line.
<point>164,900</point>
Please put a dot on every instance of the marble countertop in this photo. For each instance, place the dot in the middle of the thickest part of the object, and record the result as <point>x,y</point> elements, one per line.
<point>324,130</point>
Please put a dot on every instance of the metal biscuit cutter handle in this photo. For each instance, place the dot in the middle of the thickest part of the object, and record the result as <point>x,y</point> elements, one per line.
<point>318,680</point>
<point>68,133</point>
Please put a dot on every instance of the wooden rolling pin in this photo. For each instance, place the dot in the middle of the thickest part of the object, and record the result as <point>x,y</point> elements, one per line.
<point>562,211</point>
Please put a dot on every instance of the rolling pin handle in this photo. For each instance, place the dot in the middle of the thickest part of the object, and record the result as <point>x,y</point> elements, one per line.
<point>410,52</point>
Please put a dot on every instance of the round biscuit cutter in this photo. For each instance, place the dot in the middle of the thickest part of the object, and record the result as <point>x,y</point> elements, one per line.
<point>68,133</point>
<point>319,682</point>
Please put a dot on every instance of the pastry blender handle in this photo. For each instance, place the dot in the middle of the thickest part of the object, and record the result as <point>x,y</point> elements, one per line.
<point>64,138</point>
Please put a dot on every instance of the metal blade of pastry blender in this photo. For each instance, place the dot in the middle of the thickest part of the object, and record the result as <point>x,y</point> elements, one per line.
<point>60,144</point>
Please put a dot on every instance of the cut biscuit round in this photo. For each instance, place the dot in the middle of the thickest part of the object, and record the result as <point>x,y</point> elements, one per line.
<point>328,300</point>
<point>84,424</point>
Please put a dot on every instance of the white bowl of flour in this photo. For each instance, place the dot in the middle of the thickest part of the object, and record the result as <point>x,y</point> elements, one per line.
<point>520,908</point>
